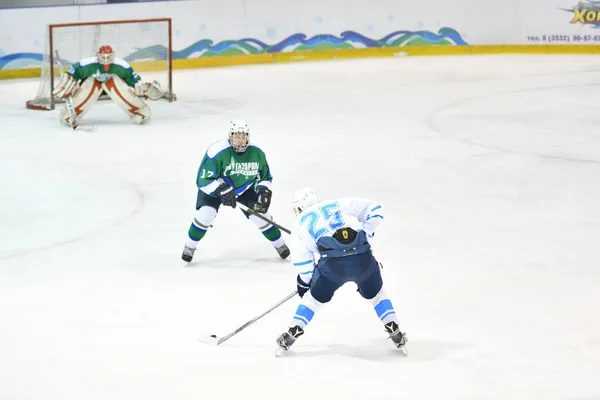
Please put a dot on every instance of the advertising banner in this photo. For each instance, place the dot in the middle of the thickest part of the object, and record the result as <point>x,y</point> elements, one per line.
<point>203,29</point>
<point>560,22</point>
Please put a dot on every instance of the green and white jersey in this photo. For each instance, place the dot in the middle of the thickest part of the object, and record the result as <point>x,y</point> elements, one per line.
<point>240,170</point>
<point>90,67</point>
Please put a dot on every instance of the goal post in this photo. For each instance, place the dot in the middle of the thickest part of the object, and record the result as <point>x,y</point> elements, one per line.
<point>146,44</point>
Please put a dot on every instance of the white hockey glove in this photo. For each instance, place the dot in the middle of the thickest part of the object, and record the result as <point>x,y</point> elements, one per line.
<point>67,86</point>
<point>149,90</point>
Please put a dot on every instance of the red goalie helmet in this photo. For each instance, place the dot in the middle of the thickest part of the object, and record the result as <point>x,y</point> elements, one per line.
<point>106,56</point>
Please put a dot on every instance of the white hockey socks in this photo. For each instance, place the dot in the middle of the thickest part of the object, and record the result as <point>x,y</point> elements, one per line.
<point>202,221</point>
<point>306,310</point>
<point>125,97</point>
<point>268,230</point>
<point>384,308</point>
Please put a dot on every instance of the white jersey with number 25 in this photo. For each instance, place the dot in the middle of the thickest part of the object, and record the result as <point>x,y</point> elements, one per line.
<point>323,219</point>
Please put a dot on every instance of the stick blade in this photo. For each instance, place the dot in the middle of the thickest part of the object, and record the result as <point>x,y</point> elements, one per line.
<point>211,340</point>
<point>86,128</point>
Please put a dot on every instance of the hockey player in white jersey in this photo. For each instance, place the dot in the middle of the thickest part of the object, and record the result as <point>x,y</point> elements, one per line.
<point>330,246</point>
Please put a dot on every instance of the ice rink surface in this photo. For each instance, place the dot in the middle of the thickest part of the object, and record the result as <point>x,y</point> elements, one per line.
<point>489,171</point>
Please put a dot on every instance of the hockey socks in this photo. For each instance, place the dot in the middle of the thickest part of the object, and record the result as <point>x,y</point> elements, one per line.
<point>306,310</point>
<point>384,308</point>
<point>202,221</point>
<point>195,233</point>
<point>271,232</point>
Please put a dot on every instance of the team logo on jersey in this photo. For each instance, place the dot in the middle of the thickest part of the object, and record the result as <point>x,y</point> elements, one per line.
<point>241,168</point>
<point>586,13</point>
<point>101,76</point>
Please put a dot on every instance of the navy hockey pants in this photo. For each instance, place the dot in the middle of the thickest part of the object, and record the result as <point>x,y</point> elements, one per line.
<point>248,198</point>
<point>331,273</point>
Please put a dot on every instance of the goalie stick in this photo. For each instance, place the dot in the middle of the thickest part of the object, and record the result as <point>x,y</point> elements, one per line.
<point>215,341</point>
<point>71,109</point>
<point>259,215</point>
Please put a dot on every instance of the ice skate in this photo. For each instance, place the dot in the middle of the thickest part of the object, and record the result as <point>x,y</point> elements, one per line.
<point>287,339</point>
<point>397,337</point>
<point>188,254</point>
<point>283,251</point>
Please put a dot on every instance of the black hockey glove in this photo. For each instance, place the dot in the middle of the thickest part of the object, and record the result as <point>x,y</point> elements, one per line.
<point>264,200</point>
<point>302,287</point>
<point>227,195</point>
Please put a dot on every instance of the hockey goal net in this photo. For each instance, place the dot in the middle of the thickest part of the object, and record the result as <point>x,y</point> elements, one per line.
<point>145,44</point>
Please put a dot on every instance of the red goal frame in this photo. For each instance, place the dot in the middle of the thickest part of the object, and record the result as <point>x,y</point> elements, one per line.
<point>50,37</point>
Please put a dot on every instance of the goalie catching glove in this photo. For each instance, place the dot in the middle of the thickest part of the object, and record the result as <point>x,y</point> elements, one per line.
<point>149,90</point>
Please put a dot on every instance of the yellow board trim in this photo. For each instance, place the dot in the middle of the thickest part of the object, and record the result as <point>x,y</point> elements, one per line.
<point>319,55</point>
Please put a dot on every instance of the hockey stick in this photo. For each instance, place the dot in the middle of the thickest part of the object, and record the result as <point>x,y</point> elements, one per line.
<point>70,108</point>
<point>215,341</point>
<point>259,215</point>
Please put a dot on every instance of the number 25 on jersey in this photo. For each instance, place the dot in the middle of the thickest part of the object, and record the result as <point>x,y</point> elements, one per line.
<point>326,218</point>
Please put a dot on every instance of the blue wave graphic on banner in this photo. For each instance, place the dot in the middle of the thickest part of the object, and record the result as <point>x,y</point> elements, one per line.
<point>156,52</point>
<point>301,42</point>
<point>21,57</point>
<point>443,34</point>
<point>347,38</point>
<point>248,46</point>
<point>22,60</point>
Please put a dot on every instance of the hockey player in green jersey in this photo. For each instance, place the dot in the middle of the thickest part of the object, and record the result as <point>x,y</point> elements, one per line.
<point>233,170</point>
<point>87,79</point>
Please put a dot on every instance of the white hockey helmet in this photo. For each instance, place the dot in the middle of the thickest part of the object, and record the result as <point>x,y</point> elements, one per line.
<point>239,135</point>
<point>303,199</point>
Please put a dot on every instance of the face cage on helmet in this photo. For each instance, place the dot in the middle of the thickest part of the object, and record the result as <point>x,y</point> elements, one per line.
<point>106,58</point>
<point>235,138</point>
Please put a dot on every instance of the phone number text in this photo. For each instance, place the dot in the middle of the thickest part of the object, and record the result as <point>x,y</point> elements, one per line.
<point>564,39</point>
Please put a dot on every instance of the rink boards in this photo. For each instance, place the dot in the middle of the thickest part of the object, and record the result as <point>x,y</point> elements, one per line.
<point>321,55</point>
<point>231,32</point>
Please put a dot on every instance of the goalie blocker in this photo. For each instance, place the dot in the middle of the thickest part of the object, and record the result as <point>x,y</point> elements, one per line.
<point>84,96</point>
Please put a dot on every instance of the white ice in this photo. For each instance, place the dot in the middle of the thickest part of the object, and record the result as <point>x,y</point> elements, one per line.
<point>489,171</point>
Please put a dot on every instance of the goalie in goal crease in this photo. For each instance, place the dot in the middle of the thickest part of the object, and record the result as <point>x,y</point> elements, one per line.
<point>87,79</point>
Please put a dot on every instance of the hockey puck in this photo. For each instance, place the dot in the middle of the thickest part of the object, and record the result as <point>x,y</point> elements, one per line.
<point>213,336</point>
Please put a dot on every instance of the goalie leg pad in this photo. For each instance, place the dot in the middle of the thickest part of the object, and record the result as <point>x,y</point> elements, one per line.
<point>66,87</point>
<point>83,100</point>
<point>125,97</point>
